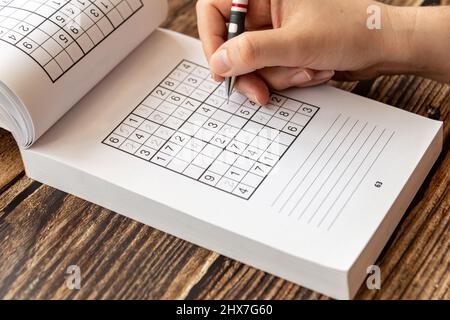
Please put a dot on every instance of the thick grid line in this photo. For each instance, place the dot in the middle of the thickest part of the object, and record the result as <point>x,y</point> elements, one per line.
<point>189,87</point>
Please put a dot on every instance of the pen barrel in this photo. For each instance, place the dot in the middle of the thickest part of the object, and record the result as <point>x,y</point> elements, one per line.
<point>237,18</point>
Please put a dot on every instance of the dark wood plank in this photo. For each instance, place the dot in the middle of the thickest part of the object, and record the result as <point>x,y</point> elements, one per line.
<point>42,230</point>
<point>119,258</point>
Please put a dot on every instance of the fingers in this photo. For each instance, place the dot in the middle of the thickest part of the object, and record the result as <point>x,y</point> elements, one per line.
<point>212,16</point>
<point>251,51</point>
<point>319,78</point>
<point>211,20</point>
<point>252,86</point>
<point>256,85</point>
<point>280,78</point>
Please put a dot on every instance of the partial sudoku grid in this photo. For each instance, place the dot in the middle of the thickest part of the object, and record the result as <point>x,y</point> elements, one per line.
<point>186,125</point>
<point>59,33</point>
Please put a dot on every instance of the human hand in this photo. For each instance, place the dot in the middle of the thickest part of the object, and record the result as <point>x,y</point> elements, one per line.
<point>295,43</point>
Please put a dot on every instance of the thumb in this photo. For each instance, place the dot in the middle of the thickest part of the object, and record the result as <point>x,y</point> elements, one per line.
<point>251,51</point>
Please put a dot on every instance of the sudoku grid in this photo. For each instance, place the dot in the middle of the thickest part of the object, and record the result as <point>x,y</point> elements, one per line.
<point>59,33</point>
<point>186,125</point>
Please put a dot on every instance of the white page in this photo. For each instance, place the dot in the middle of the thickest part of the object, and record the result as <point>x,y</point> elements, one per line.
<point>341,174</point>
<point>53,52</point>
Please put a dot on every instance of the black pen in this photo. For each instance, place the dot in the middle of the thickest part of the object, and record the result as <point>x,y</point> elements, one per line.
<point>235,28</point>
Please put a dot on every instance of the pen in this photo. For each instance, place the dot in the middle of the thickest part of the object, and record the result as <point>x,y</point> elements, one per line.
<point>235,28</point>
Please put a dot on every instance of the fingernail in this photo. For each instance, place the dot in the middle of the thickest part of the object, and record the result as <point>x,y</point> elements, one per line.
<point>323,75</point>
<point>300,78</point>
<point>219,62</point>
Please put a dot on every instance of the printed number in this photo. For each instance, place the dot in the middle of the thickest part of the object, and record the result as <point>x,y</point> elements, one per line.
<point>60,19</point>
<point>175,98</point>
<point>235,173</point>
<point>259,168</point>
<point>192,80</point>
<point>186,66</point>
<point>189,103</point>
<point>24,28</point>
<point>94,13</point>
<point>139,136</point>
<point>209,178</point>
<point>233,145</point>
<point>220,141</point>
<point>179,138</point>
<point>145,152</point>
<point>292,129</point>
<point>114,140</point>
<point>206,110</point>
<point>104,5</point>
<point>245,112</point>
<point>284,114</point>
<point>243,190</point>
<point>275,99</point>
<point>307,110</point>
<point>63,38</point>
<point>70,10</point>
<point>213,125</point>
<point>160,92</point>
<point>27,45</point>
<point>168,148</point>
<point>169,83</point>
<point>74,29</point>
<point>378,184</point>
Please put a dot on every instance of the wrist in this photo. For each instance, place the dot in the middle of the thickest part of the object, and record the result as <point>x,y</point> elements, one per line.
<point>398,40</point>
<point>416,42</point>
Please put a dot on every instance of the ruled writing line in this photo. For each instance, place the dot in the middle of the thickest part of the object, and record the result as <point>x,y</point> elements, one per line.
<point>362,179</point>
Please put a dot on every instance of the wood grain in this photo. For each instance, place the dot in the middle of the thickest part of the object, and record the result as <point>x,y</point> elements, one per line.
<point>43,230</point>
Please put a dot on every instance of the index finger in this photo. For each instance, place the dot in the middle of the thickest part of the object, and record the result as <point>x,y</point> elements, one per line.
<point>212,16</point>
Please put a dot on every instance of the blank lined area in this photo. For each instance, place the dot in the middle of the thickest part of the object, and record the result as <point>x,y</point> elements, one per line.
<point>324,183</point>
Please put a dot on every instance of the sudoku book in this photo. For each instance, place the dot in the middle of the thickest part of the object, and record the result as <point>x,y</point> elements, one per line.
<point>106,106</point>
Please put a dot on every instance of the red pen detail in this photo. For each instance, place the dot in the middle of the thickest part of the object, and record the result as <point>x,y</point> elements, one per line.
<point>239,5</point>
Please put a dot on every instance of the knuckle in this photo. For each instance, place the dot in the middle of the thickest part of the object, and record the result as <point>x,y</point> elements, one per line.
<point>278,85</point>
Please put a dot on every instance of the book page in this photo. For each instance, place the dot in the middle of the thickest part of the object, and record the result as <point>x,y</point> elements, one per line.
<point>312,174</point>
<point>52,52</point>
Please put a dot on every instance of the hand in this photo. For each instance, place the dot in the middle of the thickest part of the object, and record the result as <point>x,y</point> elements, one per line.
<point>294,43</point>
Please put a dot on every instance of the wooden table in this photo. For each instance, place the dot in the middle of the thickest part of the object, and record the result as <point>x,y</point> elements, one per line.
<point>43,230</point>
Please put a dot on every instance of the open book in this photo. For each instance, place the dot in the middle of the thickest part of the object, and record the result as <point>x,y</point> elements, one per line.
<point>107,107</point>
